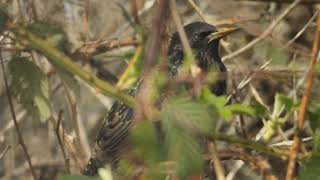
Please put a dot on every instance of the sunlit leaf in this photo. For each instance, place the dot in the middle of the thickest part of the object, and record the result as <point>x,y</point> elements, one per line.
<point>105,173</point>
<point>216,104</point>
<point>241,109</point>
<point>282,110</point>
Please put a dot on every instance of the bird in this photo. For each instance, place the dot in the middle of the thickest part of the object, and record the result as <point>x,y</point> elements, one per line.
<point>112,135</point>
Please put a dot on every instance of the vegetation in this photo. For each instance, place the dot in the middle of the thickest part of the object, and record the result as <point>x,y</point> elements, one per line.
<point>59,76</point>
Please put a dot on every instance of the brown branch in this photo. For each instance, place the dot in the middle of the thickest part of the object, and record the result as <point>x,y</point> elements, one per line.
<point>294,150</point>
<point>256,161</point>
<point>69,144</point>
<point>20,138</point>
<point>92,49</point>
<point>197,9</point>
<point>276,152</point>
<point>266,33</point>
<point>134,11</point>
<point>314,16</point>
<point>219,170</point>
<point>180,30</point>
<point>85,21</point>
<point>73,117</point>
<point>66,160</point>
<point>154,42</point>
<point>4,151</point>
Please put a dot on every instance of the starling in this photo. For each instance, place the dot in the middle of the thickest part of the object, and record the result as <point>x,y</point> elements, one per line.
<point>110,141</point>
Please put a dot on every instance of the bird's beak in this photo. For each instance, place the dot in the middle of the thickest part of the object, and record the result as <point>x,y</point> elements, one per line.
<point>221,33</point>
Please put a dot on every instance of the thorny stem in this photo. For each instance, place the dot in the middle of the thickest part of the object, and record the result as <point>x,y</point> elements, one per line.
<point>249,144</point>
<point>63,61</point>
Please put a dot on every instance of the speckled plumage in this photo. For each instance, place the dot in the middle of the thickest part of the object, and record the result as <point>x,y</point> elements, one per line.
<point>115,128</point>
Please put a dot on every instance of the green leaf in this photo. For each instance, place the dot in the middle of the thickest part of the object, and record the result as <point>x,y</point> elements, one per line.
<point>311,170</point>
<point>314,117</point>
<point>216,104</point>
<point>31,88</point>
<point>316,141</point>
<point>125,168</point>
<point>259,109</point>
<point>283,102</point>
<point>241,109</point>
<point>182,148</point>
<point>181,118</point>
<point>191,115</point>
<point>278,118</point>
<point>146,143</point>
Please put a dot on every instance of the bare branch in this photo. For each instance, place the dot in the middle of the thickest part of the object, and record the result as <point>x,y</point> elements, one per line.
<point>266,33</point>
<point>20,138</point>
<point>294,150</point>
<point>4,151</point>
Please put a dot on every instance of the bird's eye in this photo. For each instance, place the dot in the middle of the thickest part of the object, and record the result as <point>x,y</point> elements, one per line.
<point>197,36</point>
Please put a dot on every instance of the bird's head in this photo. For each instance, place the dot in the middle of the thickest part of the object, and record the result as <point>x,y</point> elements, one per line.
<point>202,38</point>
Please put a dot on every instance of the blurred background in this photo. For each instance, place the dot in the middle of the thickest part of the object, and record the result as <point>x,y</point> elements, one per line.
<point>276,64</point>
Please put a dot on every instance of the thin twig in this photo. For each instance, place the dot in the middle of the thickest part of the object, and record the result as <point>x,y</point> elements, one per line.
<point>130,68</point>
<point>247,80</point>
<point>294,150</point>
<point>134,11</point>
<point>20,138</point>
<point>249,144</point>
<point>85,21</point>
<point>34,11</point>
<point>10,124</point>
<point>302,30</point>
<point>73,116</point>
<point>91,49</point>
<point>266,33</point>
<point>180,30</point>
<point>66,160</point>
<point>4,151</point>
<point>58,58</point>
<point>220,173</point>
<point>69,144</point>
<point>188,63</point>
<point>152,52</point>
<point>197,9</point>
<point>257,162</point>
<point>154,41</point>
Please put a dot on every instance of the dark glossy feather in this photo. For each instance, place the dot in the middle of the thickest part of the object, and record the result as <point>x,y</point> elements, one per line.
<point>115,128</point>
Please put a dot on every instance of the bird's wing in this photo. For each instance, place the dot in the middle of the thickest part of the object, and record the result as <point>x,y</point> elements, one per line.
<point>111,137</point>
